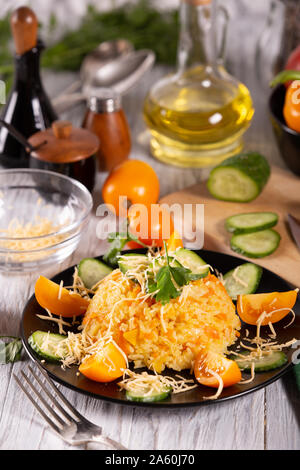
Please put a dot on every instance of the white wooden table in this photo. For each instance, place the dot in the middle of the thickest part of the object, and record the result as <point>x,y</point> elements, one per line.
<point>266,419</point>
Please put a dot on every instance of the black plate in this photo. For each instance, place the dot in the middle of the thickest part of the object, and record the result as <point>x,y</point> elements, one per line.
<point>110,391</point>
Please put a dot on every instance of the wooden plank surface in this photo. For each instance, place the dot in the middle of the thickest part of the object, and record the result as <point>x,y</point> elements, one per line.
<point>263,420</point>
<point>281,195</point>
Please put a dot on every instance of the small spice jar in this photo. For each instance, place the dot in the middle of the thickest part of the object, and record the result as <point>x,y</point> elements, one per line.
<point>66,150</point>
<point>106,119</point>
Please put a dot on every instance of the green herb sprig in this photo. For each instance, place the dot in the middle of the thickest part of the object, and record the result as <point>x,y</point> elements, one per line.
<point>141,24</point>
<point>10,351</point>
<point>169,280</point>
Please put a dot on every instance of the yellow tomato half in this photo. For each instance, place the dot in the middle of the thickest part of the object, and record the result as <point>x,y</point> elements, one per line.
<point>104,366</point>
<point>227,369</point>
<point>59,300</point>
<point>277,305</point>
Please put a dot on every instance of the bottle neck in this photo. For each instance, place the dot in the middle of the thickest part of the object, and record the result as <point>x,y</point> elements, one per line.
<point>197,42</point>
<point>27,67</point>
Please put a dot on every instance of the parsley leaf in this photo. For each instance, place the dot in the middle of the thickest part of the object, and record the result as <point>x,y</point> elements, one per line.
<point>10,351</point>
<point>169,279</point>
<point>165,285</point>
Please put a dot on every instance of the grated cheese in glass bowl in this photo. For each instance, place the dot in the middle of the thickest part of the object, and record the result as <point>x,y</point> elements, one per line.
<point>42,215</point>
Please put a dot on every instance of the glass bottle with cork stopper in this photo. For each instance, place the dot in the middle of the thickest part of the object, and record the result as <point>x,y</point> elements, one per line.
<point>67,150</point>
<point>197,115</point>
<point>106,119</point>
<point>28,108</point>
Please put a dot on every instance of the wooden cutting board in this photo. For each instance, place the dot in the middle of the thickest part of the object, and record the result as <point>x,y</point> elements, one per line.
<point>280,195</point>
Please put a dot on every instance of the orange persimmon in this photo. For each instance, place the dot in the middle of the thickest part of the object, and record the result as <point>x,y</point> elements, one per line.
<point>227,369</point>
<point>105,366</point>
<point>251,306</point>
<point>133,179</point>
<point>67,305</point>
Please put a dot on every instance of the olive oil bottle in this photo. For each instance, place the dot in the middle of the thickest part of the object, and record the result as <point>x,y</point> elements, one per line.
<point>198,115</point>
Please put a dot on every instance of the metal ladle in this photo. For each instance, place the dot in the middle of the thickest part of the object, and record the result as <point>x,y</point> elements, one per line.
<point>113,64</point>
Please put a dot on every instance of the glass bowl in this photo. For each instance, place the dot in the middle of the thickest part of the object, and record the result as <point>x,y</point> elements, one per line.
<point>42,216</point>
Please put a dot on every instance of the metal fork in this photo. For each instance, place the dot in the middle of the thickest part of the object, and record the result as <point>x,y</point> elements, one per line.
<point>70,425</point>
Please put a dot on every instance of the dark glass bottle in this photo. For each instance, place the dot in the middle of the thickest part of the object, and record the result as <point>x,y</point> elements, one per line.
<point>28,108</point>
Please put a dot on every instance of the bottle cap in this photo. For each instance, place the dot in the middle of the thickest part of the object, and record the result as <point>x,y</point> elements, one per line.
<point>106,101</point>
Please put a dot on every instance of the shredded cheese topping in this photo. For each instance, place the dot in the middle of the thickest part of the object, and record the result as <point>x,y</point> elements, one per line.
<point>59,320</point>
<point>77,347</point>
<point>238,279</point>
<point>252,375</point>
<point>220,388</point>
<point>19,239</point>
<point>60,289</point>
<point>261,347</point>
<point>149,384</point>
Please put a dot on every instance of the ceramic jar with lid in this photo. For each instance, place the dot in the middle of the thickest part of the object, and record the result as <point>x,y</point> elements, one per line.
<point>67,150</point>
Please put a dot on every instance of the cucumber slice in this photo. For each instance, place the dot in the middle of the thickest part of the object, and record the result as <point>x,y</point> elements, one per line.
<point>161,261</point>
<point>91,271</point>
<point>251,222</point>
<point>257,244</point>
<point>189,259</point>
<point>131,261</point>
<point>158,396</point>
<point>240,178</point>
<point>243,280</point>
<point>267,362</point>
<point>47,345</point>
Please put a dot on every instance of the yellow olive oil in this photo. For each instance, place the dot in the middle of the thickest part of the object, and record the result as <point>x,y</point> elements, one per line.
<point>197,118</point>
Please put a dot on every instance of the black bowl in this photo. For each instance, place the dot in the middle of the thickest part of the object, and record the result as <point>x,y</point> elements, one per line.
<point>287,139</point>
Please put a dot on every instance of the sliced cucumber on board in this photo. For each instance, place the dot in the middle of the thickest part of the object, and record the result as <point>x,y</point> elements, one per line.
<point>240,178</point>
<point>267,362</point>
<point>251,222</point>
<point>189,259</point>
<point>158,396</point>
<point>46,345</point>
<point>91,271</point>
<point>257,244</point>
<point>242,280</point>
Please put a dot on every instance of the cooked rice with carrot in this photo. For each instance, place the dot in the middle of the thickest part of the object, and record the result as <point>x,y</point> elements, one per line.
<point>159,336</point>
